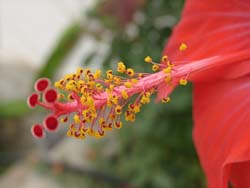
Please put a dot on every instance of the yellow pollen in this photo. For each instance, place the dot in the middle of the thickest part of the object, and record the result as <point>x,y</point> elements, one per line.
<point>117,80</point>
<point>130,72</point>
<point>183,82</point>
<point>118,110</point>
<point>137,108</point>
<point>77,119</point>
<point>102,122</point>
<point>80,70</point>
<point>98,135</point>
<point>118,125</point>
<point>69,133</point>
<point>124,94</point>
<point>166,100</point>
<point>168,78</point>
<point>170,64</point>
<point>121,67</point>
<point>97,74</point>
<point>133,80</point>
<point>183,47</point>
<point>164,59</point>
<point>128,84</point>
<point>90,132</point>
<point>109,74</point>
<point>155,68</point>
<point>167,70</point>
<point>63,120</point>
<point>148,59</point>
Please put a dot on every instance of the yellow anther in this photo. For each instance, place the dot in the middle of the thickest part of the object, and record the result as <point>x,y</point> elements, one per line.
<point>111,87</point>
<point>117,80</point>
<point>148,59</point>
<point>77,119</point>
<point>130,72</point>
<point>60,96</point>
<point>124,94</point>
<point>70,133</point>
<point>182,47</point>
<point>170,64</point>
<point>183,82</point>
<point>97,74</point>
<point>130,117</point>
<point>59,84</point>
<point>71,85</point>
<point>118,110</point>
<point>80,83</point>
<point>112,99</point>
<point>155,67</point>
<point>63,120</point>
<point>80,70</point>
<point>167,70</point>
<point>168,78</point>
<point>68,77</point>
<point>90,77</point>
<point>98,135</point>
<point>102,122</point>
<point>134,80</point>
<point>99,87</point>
<point>87,71</point>
<point>128,84</point>
<point>90,132</point>
<point>81,136</point>
<point>145,98</point>
<point>118,124</point>
<point>82,130</point>
<point>115,99</point>
<point>107,127</point>
<point>112,116</point>
<point>109,74</point>
<point>121,67</point>
<point>137,108</point>
<point>140,75</point>
<point>70,97</point>
<point>164,59</point>
<point>166,100</point>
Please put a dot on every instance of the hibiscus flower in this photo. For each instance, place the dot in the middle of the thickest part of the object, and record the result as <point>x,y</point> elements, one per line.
<point>209,47</point>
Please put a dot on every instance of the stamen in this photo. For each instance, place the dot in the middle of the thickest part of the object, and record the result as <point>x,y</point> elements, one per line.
<point>98,102</point>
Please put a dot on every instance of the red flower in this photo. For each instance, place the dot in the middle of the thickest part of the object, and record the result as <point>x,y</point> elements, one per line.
<point>216,61</point>
<point>221,95</point>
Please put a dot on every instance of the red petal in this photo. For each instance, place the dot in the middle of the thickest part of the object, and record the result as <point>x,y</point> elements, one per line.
<point>210,28</point>
<point>221,104</point>
<point>222,131</point>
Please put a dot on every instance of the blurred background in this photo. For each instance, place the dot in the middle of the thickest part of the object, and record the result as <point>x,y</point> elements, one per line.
<point>48,38</point>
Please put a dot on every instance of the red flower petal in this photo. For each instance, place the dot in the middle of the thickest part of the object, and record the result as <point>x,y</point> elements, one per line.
<point>210,28</point>
<point>221,104</point>
<point>221,132</point>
